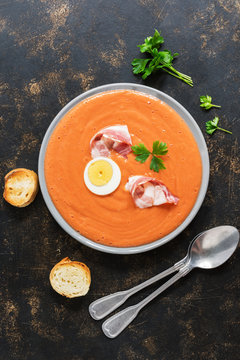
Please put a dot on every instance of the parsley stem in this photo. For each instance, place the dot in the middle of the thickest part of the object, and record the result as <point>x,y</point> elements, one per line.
<point>217,106</point>
<point>229,132</point>
<point>179,76</point>
<point>182,76</point>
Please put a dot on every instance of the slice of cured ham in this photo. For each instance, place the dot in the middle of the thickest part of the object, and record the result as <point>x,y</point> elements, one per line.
<point>147,192</point>
<point>115,137</point>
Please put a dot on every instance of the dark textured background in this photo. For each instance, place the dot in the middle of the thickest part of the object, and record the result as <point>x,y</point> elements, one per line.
<point>51,51</point>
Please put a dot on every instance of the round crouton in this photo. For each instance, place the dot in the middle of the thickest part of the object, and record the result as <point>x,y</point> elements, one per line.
<point>70,278</point>
<point>21,187</point>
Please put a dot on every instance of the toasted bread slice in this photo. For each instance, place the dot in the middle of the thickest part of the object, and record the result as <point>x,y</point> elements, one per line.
<point>70,278</point>
<point>21,187</point>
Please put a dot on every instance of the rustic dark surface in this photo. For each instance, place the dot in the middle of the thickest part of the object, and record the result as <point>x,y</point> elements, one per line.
<point>51,51</point>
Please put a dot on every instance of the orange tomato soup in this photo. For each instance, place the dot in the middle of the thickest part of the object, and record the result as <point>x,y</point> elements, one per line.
<point>114,219</point>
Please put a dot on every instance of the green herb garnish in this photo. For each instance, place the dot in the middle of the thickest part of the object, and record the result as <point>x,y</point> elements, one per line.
<point>159,60</point>
<point>158,149</point>
<point>212,126</point>
<point>206,102</point>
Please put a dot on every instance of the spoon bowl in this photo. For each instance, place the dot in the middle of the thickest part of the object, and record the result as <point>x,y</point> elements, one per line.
<point>213,247</point>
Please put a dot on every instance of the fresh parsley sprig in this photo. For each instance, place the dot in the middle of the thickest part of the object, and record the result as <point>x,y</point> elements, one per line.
<point>159,59</point>
<point>158,149</point>
<point>212,126</point>
<point>206,102</point>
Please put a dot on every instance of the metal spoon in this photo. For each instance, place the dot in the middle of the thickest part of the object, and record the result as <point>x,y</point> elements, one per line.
<point>208,250</point>
<point>100,308</point>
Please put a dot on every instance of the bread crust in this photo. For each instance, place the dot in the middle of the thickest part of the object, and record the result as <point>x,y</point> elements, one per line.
<point>21,187</point>
<point>67,263</point>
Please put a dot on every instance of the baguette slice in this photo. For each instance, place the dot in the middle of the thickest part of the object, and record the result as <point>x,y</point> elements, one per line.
<point>21,187</point>
<point>70,278</point>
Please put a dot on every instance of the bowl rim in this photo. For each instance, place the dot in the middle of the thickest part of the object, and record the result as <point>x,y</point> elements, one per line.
<point>192,125</point>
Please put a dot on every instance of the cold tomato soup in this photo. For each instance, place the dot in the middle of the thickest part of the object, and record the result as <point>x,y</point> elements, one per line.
<point>114,219</point>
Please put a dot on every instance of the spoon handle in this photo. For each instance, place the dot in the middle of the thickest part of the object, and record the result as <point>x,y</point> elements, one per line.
<point>113,326</point>
<point>105,305</point>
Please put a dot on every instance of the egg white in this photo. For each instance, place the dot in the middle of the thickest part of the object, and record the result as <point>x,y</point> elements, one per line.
<point>113,183</point>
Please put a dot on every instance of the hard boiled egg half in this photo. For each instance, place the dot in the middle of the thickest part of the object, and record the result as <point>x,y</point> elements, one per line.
<point>102,176</point>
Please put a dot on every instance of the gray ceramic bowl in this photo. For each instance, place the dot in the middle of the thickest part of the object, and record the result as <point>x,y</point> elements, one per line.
<point>192,126</point>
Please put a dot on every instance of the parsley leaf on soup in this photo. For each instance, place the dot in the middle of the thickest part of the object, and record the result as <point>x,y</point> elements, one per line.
<point>158,149</point>
<point>156,164</point>
<point>142,152</point>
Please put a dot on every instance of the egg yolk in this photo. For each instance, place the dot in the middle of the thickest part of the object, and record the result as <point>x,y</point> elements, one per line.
<point>100,172</point>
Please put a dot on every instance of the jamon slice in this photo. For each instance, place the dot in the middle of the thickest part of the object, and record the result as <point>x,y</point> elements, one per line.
<point>147,192</point>
<point>115,137</point>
